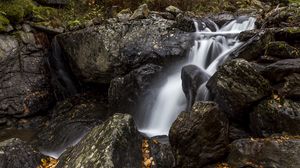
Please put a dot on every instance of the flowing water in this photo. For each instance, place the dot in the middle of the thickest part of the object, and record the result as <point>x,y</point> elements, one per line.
<point>209,51</point>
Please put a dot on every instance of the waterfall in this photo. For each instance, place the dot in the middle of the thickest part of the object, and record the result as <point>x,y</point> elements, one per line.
<point>209,51</point>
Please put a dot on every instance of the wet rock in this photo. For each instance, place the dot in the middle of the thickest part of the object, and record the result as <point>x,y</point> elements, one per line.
<point>124,15</point>
<point>277,71</point>
<point>236,86</point>
<point>15,153</point>
<point>291,87</point>
<point>140,13</point>
<point>162,154</point>
<point>115,143</point>
<point>270,152</point>
<point>185,23</point>
<point>24,81</point>
<point>286,16</point>
<point>222,19</point>
<point>253,48</point>
<point>282,50</point>
<point>174,10</point>
<point>236,132</point>
<point>192,77</point>
<point>71,119</point>
<point>276,116</point>
<point>289,34</point>
<point>125,92</point>
<point>99,53</point>
<point>199,137</point>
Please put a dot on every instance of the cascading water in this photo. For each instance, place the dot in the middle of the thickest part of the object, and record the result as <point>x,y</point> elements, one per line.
<point>209,51</point>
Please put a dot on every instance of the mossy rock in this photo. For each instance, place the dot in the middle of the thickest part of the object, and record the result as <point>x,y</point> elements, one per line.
<point>4,22</point>
<point>41,13</point>
<point>16,10</point>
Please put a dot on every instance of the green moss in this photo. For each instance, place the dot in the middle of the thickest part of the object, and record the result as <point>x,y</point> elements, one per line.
<point>4,22</point>
<point>73,23</point>
<point>16,10</point>
<point>294,1</point>
<point>43,13</point>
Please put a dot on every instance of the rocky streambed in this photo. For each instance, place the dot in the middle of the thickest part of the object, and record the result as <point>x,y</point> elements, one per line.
<point>74,95</point>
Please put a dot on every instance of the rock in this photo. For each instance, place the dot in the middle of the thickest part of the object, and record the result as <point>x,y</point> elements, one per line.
<point>140,13</point>
<point>115,48</point>
<point>282,50</point>
<point>291,87</point>
<point>276,116</point>
<point>162,154</point>
<point>71,119</point>
<point>236,86</point>
<point>192,77</point>
<point>277,71</point>
<point>25,88</point>
<point>270,152</point>
<point>126,92</point>
<point>235,132</point>
<point>222,19</point>
<point>15,153</point>
<point>115,143</point>
<point>174,10</point>
<point>124,15</point>
<point>200,137</point>
<point>185,23</point>
<point>289,34</point>
<point>286,16</point>
<point>253,48</point>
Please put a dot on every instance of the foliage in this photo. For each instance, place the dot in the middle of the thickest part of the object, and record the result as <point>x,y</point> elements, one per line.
<point>3,22</point>
<point>16,10</point>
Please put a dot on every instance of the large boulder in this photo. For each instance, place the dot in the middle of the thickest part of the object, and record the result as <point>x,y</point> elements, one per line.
<point>71,119</point>
<point>99,53</point>
<point>192,77</point>
<point>277,71</point>
<point>125,92</point>
<point>291,87</point>
<point>236,86</point>
<point>25,88</point>
<point>282,50</point>
<point>276,116</point>
<point>15,153</point>
<point>254,46</point>
<point>199,137</point>
<point>271,152</point>
<point>115,143</point>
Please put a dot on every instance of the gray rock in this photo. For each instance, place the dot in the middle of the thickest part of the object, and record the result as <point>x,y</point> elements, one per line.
<point>192,77</point>
<point>162,154</point>
<point>174,10</point>
<point>276,116</point>
<point>277,71</point>
<point>291,87</point>
<point>24,81</point>
<point>253,48</point>
<point>15,153</point>
<point>97,54</point>
<point>270,152</point>
<point>141,12</point>
<point>281,49</point>
<point>126,92</point>
<point>236,86</point>
<point>115,143</point>
<point>200,137</point>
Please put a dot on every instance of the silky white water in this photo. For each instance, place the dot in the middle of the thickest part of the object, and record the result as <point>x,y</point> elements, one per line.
<point>209,51</point>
